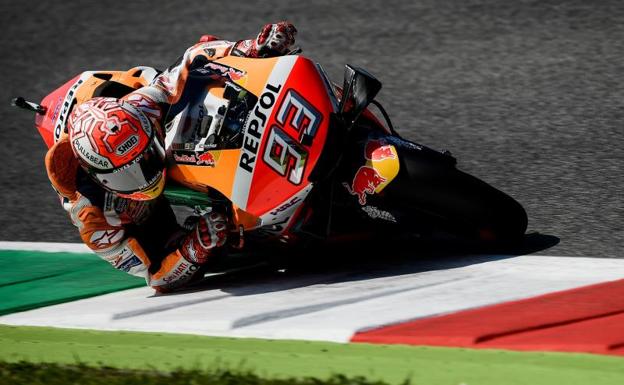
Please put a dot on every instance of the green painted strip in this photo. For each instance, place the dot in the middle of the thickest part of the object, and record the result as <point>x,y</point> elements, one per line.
<point>30,279</point>
<point>271,358</point>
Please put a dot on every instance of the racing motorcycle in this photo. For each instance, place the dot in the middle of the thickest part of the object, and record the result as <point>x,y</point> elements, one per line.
<point>293,157</point>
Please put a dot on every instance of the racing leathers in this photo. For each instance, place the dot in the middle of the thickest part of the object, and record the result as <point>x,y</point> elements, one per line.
<point>143,238</point>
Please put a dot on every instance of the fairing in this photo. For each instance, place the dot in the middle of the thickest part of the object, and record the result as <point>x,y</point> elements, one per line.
<point>283,136</point>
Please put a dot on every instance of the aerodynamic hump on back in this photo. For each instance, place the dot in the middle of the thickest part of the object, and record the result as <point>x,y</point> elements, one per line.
<point>60,102</point>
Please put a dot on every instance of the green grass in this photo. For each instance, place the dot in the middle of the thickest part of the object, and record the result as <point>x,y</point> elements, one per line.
<point>54,374</point>
<point>32,279</point>
<point>272,359</point>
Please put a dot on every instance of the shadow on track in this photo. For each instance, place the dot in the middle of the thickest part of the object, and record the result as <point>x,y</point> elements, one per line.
<point>239,275</point>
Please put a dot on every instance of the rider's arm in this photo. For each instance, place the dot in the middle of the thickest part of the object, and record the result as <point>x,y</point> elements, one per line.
<point>273,40</point>
<point>125,253</point>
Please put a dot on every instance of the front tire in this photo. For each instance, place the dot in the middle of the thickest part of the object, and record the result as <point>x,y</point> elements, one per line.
<point>430,188</point>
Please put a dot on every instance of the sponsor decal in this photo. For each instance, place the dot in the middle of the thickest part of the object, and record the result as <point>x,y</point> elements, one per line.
<point>106,238</point>
<point>221,70</point>
<point>116,260</point>
<point>164,79</point>
<point>235,74</point>
<point>129,263</point>
<point>145,104</point>
<point>207,158</point>
<point>212,43</point>
<point>278,217</point>
<point>378,150</point>
<point>376,213</point>
<point>403,143</point>
<point>87,155</point>
<point>128,145</point>
<point>136,113</point>
<point>190,251</point>
<point>365,181</point>
<point>286,206</point>
<point>57,108</point>
<point>255,127</point>
<point>184,271</point>
<point>67,103</point>
<point>184,158</point>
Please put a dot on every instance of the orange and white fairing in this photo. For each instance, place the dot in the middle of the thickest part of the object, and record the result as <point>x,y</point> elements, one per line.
<point>267,178</point>
<point>60,103</point>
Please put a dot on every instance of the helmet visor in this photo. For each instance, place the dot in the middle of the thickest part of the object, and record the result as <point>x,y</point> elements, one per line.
<point>139,175</point>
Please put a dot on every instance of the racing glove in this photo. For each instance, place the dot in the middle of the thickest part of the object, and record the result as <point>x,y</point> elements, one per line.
<point>210,231</point>
<point>274,40</point>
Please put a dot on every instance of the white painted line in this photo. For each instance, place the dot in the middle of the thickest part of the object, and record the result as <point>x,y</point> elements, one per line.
<point>332,306</point>
<point>51,247</point>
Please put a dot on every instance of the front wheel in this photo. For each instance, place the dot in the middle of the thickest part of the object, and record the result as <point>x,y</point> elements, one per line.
<point>430,188</point>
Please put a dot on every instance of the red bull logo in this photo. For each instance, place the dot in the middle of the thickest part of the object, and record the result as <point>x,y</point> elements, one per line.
<point>235,74</point>
<point>226,71</point>
<point>365,181</point>
<point>378,150</point>
<point>205,159</point>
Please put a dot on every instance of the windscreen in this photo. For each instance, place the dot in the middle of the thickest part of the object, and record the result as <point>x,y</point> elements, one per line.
<point>241,101</point>
<point>210,115</point>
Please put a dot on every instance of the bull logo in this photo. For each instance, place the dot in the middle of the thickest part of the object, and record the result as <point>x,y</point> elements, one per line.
<point>235,74</point>
<point>205,159</point>
<point>365,181</point>
<point>378,150</point>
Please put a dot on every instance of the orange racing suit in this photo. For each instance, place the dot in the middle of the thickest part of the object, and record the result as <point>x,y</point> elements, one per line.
<point>143,238</point>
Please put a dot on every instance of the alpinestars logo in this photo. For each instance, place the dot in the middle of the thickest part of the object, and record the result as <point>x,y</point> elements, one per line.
<point>192,254</point>
<point>145,104</point>
<point>106,238</point>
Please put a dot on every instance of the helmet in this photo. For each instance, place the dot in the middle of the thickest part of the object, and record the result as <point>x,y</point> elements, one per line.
<point>117,145</point>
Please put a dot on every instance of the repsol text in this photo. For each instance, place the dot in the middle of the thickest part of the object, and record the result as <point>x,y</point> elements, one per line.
<point>255,126</point>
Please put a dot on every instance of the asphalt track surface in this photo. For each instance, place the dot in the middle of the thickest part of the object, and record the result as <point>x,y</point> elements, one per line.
<point>528,95</point>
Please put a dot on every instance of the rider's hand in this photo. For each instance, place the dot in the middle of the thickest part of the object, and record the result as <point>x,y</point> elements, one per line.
<point>274,40</point>
<point>209,232</point>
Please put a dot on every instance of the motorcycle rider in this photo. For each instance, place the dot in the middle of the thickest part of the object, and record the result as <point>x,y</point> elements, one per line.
<point>110,171</point>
